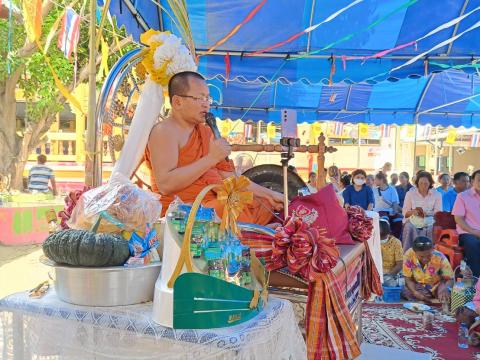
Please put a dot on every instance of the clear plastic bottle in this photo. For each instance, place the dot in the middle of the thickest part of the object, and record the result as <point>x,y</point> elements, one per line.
<point>463,336</point>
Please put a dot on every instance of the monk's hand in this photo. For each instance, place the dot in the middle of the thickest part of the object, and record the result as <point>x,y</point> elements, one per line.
<point>219,149</point>
<point>275,199</point>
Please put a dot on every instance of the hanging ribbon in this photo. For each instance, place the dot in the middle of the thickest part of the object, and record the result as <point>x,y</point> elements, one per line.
<point>305,31</point>
<point>352,35</point>
<point>332,71</point>
<point>32,14</point>
<point>234,198</point>
<point>378,55</point>
<point>9,45</point>
<point>227,66</point>
<point>232,32</point>
<point>425,67</point>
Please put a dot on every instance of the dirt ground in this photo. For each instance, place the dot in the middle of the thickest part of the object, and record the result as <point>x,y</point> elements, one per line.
<point>20,268</point>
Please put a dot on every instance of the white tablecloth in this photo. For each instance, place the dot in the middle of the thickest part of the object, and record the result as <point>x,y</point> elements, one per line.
<point>49,327</point>
<point>374,243</point>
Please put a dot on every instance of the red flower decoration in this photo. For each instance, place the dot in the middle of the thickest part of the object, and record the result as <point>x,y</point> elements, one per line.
<point>303,249</point>
<point>360,225</point>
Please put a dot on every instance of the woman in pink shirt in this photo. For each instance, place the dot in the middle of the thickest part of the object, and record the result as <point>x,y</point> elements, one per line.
<point>467,216</point>
<point>419,208</point>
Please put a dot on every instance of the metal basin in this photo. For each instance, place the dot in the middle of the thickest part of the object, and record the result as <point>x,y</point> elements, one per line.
<point>105,286</point>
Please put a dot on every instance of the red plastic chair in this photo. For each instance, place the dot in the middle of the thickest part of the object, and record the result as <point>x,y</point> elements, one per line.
<point>445,237</point>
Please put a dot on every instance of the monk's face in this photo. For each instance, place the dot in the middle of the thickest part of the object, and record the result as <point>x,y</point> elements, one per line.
<point>194,106</point>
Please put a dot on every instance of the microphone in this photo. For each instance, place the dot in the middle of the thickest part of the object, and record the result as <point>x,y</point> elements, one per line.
<point>212,124</point>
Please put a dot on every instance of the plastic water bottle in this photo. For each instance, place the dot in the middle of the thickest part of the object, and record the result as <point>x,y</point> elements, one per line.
<point>463,336</point>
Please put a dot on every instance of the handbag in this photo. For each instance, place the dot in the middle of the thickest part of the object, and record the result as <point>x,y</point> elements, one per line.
<point>323,210</point>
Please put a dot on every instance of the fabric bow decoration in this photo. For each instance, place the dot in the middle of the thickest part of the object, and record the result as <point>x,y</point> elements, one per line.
<point>360,225</point>
<point>305,250</point>
<point>70,202</point>
<point>234,199</point>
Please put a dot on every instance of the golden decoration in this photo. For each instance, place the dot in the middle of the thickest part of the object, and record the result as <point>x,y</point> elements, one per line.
<point>235,199</point>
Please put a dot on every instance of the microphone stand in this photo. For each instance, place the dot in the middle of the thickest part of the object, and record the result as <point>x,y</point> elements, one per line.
<point>289,144</point>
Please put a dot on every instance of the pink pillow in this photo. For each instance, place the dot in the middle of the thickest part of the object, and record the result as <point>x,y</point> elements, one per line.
<point>323,210</point>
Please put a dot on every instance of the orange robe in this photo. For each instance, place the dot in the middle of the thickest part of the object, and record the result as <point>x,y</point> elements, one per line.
<point>259,212</point>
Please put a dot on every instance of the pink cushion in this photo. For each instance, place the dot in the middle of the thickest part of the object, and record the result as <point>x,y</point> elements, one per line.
<point>324,211</point>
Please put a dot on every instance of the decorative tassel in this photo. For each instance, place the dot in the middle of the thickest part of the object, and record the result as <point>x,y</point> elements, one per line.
<point>332,71</point>
<point>227,66</point>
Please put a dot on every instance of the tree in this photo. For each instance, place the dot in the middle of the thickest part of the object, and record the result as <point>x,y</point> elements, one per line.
<point>29,73</point>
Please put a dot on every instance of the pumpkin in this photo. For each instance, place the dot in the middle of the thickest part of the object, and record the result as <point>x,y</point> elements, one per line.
<point>85,248</point>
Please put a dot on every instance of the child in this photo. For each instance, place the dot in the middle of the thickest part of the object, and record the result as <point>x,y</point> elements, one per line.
<point>392,255</point>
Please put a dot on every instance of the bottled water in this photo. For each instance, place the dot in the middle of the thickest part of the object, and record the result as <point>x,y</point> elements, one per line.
<point>463,336</point>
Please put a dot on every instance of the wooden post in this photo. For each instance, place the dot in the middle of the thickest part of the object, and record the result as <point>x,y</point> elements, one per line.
<point>321,182</point>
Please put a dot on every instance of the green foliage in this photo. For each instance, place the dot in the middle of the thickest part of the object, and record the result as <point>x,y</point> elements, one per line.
<point>36,80</point>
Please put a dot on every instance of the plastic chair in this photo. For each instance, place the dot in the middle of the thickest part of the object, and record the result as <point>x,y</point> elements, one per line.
<point>445,237</point>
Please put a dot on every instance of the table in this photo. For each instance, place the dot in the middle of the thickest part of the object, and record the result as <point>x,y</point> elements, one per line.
<point>50,327</point>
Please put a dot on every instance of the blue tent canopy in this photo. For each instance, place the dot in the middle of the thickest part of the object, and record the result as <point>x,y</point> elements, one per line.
<point>360,92</point>
<point>364,29</point>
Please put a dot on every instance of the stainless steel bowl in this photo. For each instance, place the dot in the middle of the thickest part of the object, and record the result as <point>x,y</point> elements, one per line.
<point>105,286</point>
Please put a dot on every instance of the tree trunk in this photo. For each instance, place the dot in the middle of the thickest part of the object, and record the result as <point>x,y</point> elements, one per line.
<point>8,124</point>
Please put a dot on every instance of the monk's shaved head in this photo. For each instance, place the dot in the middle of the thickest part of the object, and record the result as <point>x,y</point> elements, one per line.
<point>179,83</point>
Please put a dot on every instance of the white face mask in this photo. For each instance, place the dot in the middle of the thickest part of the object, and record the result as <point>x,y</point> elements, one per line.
<point>358,181</point>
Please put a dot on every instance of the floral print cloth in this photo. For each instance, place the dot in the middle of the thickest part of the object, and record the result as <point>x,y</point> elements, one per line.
<point>429,275</point>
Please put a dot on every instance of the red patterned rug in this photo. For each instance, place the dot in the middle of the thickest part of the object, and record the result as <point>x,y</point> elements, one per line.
<point>393,326</point>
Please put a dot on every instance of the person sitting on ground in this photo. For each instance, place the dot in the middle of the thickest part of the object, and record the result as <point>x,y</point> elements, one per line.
<point>392,255</point>
<point>461,182</point>
<point>184,157</point>
<point>445,183</point>
<point>345,180</point>
<point>403,187</point>
<point>359,193</point>
<point>427,272</point>
<point>394,179</point>
<point>386,203</point>
<point>39,177</point>
<point>312,182</point>
<point>467,216</point>
<point>419,209</point>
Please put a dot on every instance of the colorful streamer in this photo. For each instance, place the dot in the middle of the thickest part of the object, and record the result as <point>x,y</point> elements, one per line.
<point>32,13</point>
<point>9,45</point>
<point>440,45</point>
<point>227,67</point>
<point>232,32</point>
<point>305,31</point>
<point>352,35</point>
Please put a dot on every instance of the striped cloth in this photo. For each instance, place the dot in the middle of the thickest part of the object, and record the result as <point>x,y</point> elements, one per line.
<point>38,178</point>
<point>329,324</point>
<point>330,327</point>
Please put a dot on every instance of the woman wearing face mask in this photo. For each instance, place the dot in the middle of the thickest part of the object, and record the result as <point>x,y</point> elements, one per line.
<point>359,193</point>
<point>419,209</point>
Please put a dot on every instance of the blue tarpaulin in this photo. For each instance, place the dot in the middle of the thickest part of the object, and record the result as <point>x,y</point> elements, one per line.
<point>363,90</point>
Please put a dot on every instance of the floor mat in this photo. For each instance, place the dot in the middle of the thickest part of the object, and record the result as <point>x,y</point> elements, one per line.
<point>393,326</point>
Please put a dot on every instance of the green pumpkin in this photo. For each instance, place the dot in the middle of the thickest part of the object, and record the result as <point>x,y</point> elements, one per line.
<point>85,248</point>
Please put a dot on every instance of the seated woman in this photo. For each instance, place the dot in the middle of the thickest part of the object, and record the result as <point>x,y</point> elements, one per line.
<point>386,203</point>
<point>392,255</point>
<point>427,272</point>
<point>359,193</point>
<point>419,209</point>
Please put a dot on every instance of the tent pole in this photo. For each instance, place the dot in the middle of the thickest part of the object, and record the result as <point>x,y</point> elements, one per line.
<point>415,147</point>
<point>358,146</point>
<point>92,99</point>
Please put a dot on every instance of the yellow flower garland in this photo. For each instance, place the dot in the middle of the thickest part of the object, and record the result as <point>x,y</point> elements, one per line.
<point>158,75</point>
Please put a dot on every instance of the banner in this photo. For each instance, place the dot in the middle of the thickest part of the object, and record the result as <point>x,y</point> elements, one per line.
<point>317,129</point>
<point>225,128</point>
<point>32,13</point>
<point>363,130</point>
<point>451,136</point>
<point>271,130</point>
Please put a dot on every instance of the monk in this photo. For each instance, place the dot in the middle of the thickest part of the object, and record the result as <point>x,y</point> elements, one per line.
<point>184,157</point>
